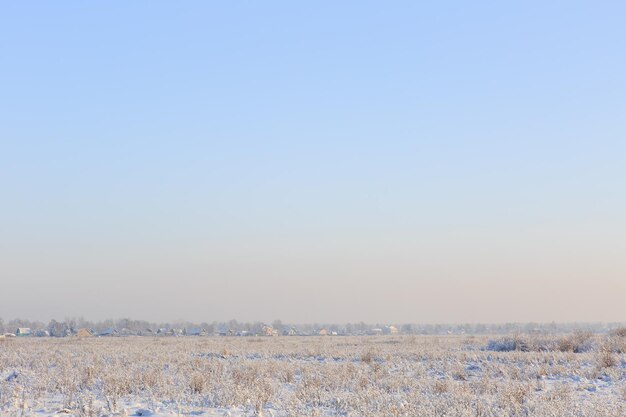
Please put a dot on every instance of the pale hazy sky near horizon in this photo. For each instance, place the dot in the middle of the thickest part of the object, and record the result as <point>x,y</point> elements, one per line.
<point>318,162</point>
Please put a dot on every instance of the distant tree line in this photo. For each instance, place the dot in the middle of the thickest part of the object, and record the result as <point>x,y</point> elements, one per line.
<point>71,325</point>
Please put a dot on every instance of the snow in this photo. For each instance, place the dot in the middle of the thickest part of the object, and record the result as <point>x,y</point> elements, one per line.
<point>279,377</point>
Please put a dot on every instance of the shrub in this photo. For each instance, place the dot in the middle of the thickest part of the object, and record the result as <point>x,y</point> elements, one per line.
<point>619,332</point>
<point>579,342</point>
<point>508,344</point>
<point>367,357</point>
<point>197,383</point>
<point>605,356</point>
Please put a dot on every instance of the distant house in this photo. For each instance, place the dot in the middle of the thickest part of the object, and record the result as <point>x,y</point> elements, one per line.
<point>108,332</point>
<point>23,331</point>
<point>126,332</point>
<point>323,332</point>
<point>292,332</point>
<point>376,331</point>
<point>145,332</point>
<point>268,331</point>
<point>162,332</point>
<point>194,331</point>
<point>390,330</point>
<point>41,333</point>
<point>84,332</point>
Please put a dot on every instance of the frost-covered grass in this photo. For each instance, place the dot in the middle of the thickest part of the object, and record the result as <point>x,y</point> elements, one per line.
<point>573,375</point>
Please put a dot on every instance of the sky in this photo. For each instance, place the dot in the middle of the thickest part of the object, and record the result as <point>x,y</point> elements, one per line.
<point>401,162</point>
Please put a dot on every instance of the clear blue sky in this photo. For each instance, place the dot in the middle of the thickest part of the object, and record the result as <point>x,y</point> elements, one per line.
<point>328,161</point>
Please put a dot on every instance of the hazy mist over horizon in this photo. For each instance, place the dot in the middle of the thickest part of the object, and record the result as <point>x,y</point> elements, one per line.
<point>314,163</point>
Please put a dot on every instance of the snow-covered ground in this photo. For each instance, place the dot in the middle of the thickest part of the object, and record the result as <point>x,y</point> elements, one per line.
<point>314,376</point>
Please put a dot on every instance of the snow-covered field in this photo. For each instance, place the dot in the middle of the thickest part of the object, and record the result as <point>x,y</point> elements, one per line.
<point>567,375</point>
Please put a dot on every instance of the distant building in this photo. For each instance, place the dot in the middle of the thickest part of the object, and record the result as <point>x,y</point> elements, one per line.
<point>146,332</point>
<point>194,331</point>
<point>127,332</point>
<point>268,331</point>
<point>323,332</point>
<point>376,331</point>
<point>108,332</point>
<point>23,331</point>
<point>84,332</point>
<point>390,330</point>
